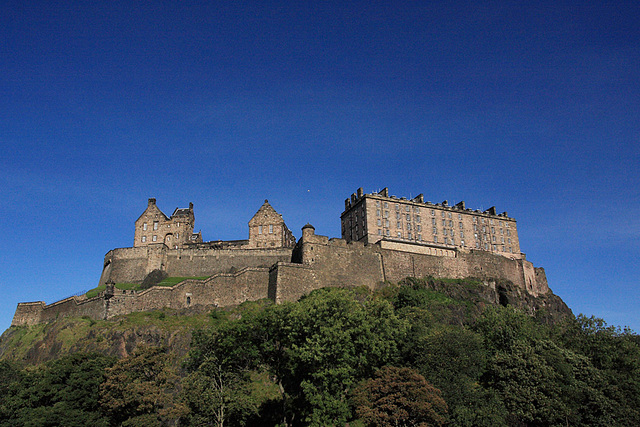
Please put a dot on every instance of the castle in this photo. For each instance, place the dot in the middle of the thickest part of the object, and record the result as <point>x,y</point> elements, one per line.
<point>384,239</point>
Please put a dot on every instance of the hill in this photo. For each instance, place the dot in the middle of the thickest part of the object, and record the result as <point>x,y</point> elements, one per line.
<point>448,352</point>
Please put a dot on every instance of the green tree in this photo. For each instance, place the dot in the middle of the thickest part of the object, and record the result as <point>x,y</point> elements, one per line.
<point>399,397</point>
<point>218,388</point>
<point>137,389</point>
<point>62,392</point>
<point>322,346</point>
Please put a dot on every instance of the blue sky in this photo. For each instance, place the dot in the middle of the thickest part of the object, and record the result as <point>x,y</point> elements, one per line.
<point>529,106</point>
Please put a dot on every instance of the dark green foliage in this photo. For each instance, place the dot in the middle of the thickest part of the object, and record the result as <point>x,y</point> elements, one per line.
<point>339,354</point>
<point>63,392</point>
<point>137,389</point>
<point>399,397</point>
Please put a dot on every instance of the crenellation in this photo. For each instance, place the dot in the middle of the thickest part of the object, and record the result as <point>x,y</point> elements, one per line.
<point>428,239</point>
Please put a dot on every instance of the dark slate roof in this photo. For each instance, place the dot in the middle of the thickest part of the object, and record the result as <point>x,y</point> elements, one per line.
<point>181,212</point>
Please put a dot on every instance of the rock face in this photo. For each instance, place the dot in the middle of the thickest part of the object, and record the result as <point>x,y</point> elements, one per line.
<point>119,336</point>
<point>32,345</point>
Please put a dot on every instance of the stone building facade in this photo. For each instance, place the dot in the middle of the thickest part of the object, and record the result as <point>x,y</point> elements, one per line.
<point>374,217</point>
<point>154,227</point>
<point>271,264</point>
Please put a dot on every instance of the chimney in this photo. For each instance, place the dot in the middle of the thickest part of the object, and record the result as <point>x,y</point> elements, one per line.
<point>152,201</point>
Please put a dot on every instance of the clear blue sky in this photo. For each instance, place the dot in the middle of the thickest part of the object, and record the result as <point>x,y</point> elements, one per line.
<point>533,107</point>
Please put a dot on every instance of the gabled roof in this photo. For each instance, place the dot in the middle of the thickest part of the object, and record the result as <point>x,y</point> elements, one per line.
<point>153,207</point>
<point>266,211</point>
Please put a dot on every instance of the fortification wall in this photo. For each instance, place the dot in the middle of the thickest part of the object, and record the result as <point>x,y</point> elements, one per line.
<point>32,313</point>
<point>222,290</point>
<point>131,265</point>
<point>205,262</point>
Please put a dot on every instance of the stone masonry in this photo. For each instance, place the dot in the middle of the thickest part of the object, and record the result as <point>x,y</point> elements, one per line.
<point>271,264</point>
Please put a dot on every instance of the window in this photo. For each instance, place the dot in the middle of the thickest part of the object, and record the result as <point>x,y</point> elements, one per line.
<point>450,223</point>
<point>462,234</point>
<point>435,230</point>
<point>408,226</point>
<point>377,212</point>
<point>444,231</point>
<point>388,232</point>
<point>417,218</point>
<point>408,217</point>
<point>435,239</point>
<point>444,222</point>
<point>397,207</point>
<point>144,226</point>
<point>508,232</point>
<point>379,222</point>
<point>259,229</point>
<point>386,223</point>
<point>270,229</point>
<point>420,237</point>
<point>452,232</point>
<point>397,215</point>
<point>502,239</point>
<point>501,231</point>
<point>409,235</point>
<point>398,224</point>
<point>378,203</point>
<point>154,238</point>
<point>407,208</point>
<point>449,214</point>
<point>459,216</point>
<point>475,227</point>
<point>400,234</point>
<point>418,228</point>
<point>484,229</point>
<point>386,205</point>
<point>386,214</point>
<point>433,212</point>
<point>493,230</point>
<point>475,220</point>
<point>483,220</point>
<point>155,225</point>
<point>509,240</point>
<point>169,238</point>
<point>144,239</point>
<point>460,224</point>
<point>491,221</point>
<point>443,214</point>
<point>493,239</point>
<point>379,232</point>
<point>433,221</point>
<point>462,242</point>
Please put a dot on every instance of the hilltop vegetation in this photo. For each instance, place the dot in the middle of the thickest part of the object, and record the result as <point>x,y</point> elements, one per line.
<point>424,352</point>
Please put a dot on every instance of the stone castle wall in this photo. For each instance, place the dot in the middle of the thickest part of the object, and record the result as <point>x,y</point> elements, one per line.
<point>131,265</point>
<point>281,274</point>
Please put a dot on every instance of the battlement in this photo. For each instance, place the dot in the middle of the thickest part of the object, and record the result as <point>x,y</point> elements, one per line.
<point>425,239</point>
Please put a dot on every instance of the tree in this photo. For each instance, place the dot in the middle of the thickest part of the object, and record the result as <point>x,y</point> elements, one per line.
<point>220,362</point>
<point>136,389</point>
<point>62,392</point>
<point>399,397</point>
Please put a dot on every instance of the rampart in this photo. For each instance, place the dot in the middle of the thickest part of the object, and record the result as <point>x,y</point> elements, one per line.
<point>131,265</point>
<point>241,272</point>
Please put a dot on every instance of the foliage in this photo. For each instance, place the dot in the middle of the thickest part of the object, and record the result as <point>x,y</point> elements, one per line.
<point>63,392</point>
<point>328,359</point>
<point>137,387</point>
<point>399,397</point>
